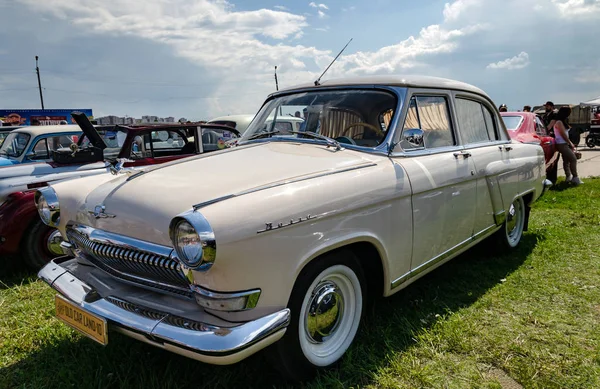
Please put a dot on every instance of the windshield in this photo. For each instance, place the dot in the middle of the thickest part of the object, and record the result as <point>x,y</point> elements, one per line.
<point>114,140</point>
<point>358,117</point>
<point>14,145</point>
<point>512,122</point>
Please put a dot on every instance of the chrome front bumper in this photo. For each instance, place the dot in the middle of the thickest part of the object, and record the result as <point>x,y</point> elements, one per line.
<point>201,341</point>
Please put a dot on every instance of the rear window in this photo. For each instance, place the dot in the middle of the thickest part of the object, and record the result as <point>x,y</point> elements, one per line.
<point>225,123</point>
<point>512,122</point>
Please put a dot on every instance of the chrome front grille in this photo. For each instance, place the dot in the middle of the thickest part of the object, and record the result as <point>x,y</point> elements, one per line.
<point>130,259</point>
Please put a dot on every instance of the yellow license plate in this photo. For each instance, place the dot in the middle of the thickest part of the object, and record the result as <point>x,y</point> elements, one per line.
<point>85,322</point>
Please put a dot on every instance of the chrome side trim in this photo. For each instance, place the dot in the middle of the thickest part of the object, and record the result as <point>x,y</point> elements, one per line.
<point>500,217</point>
<point>443,256</point>
<point>281,183</point>
<point>204,339</point>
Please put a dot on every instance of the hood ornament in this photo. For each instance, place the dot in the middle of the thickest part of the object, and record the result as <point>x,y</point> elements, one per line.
<point>116,166</point>
<point>99,213</point>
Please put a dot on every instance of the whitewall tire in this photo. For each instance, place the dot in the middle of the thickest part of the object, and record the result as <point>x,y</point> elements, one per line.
<point>326,307</point>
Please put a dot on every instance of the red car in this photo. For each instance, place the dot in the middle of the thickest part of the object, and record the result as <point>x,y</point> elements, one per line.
<point>22,231</point>
<point>527,127</point>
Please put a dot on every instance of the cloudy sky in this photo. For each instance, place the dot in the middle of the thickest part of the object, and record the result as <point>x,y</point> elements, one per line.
<point>203,58</point>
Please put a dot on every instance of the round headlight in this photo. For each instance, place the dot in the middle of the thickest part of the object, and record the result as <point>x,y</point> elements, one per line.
<point>43,209</point>
<point>188,243</point>
<point>47,205</point>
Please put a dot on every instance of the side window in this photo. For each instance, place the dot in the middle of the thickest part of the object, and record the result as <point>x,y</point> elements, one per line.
<point>471,121</point>
<point>490,123</point>
<point>430,115</point>
<point>166,140</point>
<point>41,150</point>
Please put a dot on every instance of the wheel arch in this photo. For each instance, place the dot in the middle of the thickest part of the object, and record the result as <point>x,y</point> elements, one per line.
<point>370,254</point>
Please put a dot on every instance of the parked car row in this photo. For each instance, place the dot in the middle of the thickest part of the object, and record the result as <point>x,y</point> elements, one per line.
<point>279,239</point>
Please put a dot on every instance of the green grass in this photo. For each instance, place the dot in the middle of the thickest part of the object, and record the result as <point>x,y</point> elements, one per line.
<point>531,317</point>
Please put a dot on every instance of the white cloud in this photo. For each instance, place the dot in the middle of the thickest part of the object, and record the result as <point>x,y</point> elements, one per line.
<point>431,40</point>
<point>315,5</point>
<point>578,8</point>
<point>452,11</point>
<point>519,61</point>
<point>281,8</point>
<point>352,8</point>
<point>321,14</point>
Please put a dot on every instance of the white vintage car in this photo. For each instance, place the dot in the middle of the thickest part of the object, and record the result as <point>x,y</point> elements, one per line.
<point>282,240</point>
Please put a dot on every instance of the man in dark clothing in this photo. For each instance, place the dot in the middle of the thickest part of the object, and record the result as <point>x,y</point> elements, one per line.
<point>549,114</point>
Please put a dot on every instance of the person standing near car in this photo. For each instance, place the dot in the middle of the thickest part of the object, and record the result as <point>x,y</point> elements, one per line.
<point>565,147</point>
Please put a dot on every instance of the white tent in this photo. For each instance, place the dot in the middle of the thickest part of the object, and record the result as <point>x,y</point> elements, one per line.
<point>592,103</point>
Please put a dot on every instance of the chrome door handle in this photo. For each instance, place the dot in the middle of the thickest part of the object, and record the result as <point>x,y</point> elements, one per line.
<point>547,143</point>
<point>465,154</point>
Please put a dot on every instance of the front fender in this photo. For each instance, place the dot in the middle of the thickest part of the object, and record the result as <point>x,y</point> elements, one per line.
<point>16,214</point>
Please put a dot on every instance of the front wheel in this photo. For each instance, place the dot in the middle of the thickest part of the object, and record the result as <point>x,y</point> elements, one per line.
<point>509,236</point>
<point>41,244</point>
<point>326,309</point>
<point>590,141</point>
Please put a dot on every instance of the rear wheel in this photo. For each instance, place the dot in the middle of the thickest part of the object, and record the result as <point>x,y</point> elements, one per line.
<point>41,244</point>
<point>326,309</point>
<point>509,236</point>
<point>589,141</point>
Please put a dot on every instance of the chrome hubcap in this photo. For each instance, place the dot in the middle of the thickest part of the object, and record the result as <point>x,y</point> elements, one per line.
<point>515,222</point>
<point>325,309</point>
<point>53,243</point>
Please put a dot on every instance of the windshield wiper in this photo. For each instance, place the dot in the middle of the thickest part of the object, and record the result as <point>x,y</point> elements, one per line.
<point>330,141</point>
<point>263,134</point>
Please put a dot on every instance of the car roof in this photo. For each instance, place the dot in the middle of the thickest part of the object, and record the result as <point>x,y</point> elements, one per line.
<point>415,81</point>
<point>234,118</point>
<point>53,129</point>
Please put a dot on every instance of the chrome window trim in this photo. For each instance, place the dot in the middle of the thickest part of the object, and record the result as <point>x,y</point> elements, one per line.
<point>487,102</point>
<point>428,92</point>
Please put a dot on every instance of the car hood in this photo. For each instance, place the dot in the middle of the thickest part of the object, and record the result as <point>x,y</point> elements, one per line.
<point>144,204</point>
<point>7,161</point>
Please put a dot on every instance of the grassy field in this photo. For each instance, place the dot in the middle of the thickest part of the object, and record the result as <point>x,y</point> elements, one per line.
<point>529,319</point>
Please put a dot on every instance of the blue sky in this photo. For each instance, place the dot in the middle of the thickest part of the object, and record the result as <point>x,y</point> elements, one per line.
<point>203,58</point>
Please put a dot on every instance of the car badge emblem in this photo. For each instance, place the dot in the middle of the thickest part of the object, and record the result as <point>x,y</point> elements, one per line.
<point>99,213</point>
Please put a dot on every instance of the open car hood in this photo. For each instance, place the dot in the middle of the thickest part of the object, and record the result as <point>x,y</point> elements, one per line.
<point>88,129</point>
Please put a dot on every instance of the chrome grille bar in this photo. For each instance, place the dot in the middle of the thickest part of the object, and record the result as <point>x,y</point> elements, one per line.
<point>130,259</point>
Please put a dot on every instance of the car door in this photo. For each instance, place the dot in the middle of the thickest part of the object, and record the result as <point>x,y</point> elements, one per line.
<point>442,179</point>
<point>490,149</point>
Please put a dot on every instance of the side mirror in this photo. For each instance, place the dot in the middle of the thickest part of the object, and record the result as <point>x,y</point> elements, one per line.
<point>30,155</point>
<point>413,139</point>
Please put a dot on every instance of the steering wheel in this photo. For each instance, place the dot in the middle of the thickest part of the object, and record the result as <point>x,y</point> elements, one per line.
<point>379,131</point>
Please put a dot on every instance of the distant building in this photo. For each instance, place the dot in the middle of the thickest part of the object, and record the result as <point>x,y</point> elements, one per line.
<point>113,120</point>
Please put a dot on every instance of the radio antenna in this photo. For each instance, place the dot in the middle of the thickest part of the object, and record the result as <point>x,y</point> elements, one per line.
<point>319,79</point>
